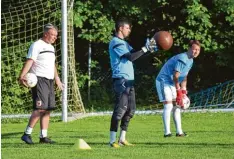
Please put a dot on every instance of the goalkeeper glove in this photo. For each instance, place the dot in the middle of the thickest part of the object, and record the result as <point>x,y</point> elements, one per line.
<point>184,91</point>
<point>150,46</point>
<point>179,97</point>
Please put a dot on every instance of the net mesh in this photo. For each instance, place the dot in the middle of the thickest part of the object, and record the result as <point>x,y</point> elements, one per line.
<point>220,96</point>
<point>22,23</point>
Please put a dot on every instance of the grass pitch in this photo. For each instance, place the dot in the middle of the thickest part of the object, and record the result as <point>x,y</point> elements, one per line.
<point>211,135</point>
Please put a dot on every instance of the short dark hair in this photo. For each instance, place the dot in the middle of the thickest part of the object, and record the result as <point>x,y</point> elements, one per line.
<point>191,42</point>
<point>121,22</point>
<point>49,26</point>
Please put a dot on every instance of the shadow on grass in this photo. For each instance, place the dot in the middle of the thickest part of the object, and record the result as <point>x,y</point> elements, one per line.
<point>35,145</point>
<point>137,145</point>
<point>210,131</point>
<point>77,137</point>
<point>38,145</point>
<point>193,145</point>
<point>156,144</point>
<point>11,135</point>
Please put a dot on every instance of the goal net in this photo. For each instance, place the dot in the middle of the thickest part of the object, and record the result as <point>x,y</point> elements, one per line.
<point>220,96</point>
<point>22,23</point>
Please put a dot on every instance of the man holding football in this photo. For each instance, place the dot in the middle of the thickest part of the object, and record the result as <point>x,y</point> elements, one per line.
<point>41,62</point>
<point>121,58</point>
<point>171,84</point>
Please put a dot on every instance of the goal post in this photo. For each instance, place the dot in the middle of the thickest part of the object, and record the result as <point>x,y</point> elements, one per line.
<point>64,59</point>
<point>21,24</point>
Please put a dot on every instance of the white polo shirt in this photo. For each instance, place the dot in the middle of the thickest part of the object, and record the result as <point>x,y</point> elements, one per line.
<point>43,55</point>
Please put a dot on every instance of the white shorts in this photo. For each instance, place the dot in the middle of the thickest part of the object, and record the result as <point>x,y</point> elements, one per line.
<point>166,92</point>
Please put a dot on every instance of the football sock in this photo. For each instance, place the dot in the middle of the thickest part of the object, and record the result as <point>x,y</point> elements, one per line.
<point>112,136</point>
<point>43,133</point>
<point>177,120</point>
<point>122,135</point>
<point>166,117</point>
<point>28,130</point>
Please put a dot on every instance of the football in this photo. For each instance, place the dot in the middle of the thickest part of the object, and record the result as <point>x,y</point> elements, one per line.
<point>31,79</point>
<point>163,39</point>
<point>186,102</point>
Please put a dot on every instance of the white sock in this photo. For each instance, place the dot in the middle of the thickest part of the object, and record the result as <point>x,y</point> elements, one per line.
<point>177,120</point>
<point>112,136</point>
<point>167,117</point>
<point>122,135</point>
<point>28,130</point>
<point>43,133</point>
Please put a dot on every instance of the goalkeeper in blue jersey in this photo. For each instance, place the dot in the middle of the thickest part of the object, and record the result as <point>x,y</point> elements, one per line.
<point>121,57</point>
<point>171,84</point>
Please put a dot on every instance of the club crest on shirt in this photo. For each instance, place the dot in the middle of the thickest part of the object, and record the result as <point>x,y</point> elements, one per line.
<point>39,103</point>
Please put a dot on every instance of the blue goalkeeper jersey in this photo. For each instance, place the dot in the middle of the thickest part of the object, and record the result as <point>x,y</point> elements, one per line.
<point>121,67</point>
<point>180,63</point>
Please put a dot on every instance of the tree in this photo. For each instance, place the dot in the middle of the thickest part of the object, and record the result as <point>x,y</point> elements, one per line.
<point>211,22</point>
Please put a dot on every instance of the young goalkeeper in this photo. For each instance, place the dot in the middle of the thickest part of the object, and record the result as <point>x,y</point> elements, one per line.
<point>171,84</point>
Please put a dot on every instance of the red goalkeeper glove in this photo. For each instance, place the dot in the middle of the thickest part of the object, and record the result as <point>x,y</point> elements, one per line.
<point>179,97</point>
<point>184,91</point>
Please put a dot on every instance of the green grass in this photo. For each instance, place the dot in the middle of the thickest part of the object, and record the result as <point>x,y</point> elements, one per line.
<point>211,135</point>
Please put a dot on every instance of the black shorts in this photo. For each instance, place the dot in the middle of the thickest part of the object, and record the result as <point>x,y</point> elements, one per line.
<point>124,96</point>
<point>43,94</point>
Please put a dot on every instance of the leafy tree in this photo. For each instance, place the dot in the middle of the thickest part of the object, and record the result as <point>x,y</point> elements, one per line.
<point>211,22</point>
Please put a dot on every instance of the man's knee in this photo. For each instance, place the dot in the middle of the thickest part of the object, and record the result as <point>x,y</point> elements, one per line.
<point>41,112</point>
<point>131,114</point>
<point>120,114</point>
<point>168,102</point>
<point>121,109</point>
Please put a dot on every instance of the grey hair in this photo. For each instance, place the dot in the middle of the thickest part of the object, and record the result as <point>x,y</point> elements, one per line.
<point>49,26</point>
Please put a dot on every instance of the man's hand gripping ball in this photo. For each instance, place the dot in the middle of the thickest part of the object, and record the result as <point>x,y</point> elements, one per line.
<point>181,94</point>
